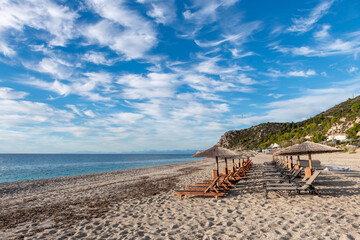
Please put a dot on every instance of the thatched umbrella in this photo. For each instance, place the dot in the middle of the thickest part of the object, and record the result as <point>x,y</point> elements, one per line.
<point>308,148</point>
<point>241,155</point>
<point>216,152</point>
<point>278,152</point>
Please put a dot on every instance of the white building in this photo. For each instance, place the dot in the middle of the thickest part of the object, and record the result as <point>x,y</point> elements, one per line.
<point>340,137</point>
<point>274,145</point>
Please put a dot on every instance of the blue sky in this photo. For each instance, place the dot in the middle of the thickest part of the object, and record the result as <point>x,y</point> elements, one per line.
<point>119,76</point>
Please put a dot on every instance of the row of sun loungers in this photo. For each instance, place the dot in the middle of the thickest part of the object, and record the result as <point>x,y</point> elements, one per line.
<point>280,174</point>
<point>216,187</point>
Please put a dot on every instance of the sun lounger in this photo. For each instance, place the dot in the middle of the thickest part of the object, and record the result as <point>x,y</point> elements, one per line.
<point>215,187</point>
<point>291,188</point>
<point>289,178</point>
<point>211,189</point>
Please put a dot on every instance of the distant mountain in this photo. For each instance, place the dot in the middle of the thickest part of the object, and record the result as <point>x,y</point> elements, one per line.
<point>342,119</point>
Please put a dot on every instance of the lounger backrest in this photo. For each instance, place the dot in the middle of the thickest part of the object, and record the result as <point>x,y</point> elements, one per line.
<point>296,174</point>
<point>311,180</point>
<point>212,184</point>
<point>304,179</point>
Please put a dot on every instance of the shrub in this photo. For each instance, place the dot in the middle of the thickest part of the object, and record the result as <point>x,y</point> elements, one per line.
<point>352,132</point>
<point>355,107</point>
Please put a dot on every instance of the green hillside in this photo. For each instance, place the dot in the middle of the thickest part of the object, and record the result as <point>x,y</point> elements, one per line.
<point>286,134</point>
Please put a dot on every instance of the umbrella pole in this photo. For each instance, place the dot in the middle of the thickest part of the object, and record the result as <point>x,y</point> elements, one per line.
<point>308,171</point>
<point>217,165</point>
<point>298,161</point>
<point>291,160</point>
<point>226,167</point>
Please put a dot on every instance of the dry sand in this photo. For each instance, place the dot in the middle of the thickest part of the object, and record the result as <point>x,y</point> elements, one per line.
<point>139,204</point>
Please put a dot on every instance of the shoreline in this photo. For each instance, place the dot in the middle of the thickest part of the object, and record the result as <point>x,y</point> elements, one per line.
<point>140,204</point>
<point>100,172</point>
<point>16,196</point>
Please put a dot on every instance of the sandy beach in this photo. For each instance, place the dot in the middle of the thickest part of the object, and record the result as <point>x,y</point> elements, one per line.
<point>140,204</point>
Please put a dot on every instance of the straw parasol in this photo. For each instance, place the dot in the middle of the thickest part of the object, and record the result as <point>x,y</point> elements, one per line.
<point>240,155</point>
<point>307,148</point>
<point>216,152</point>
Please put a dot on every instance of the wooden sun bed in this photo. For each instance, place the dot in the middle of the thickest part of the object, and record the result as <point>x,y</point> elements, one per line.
<point>292,188</point>
<point>215,187</point>
<point>211,190</point>
<point>289,178</point>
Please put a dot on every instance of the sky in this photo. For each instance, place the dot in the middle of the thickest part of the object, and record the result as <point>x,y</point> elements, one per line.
<point>123,76</point>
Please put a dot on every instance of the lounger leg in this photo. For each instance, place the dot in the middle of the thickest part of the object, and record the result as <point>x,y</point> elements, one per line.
<point>180,197</point>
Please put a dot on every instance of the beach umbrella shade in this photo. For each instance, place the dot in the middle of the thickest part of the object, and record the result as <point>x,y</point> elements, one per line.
<point>216,152</point>
<point>308,148</point>
<point>240,155</point>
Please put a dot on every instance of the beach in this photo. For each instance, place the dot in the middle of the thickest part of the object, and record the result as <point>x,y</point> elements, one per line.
<point>140,204</point>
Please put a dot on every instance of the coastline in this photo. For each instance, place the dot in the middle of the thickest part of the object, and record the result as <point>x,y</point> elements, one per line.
<point>59,167</point>
<point>36,200</point>
<point>139,204</point>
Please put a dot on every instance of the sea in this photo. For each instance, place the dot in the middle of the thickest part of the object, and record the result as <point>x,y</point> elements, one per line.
<point>22,167</point>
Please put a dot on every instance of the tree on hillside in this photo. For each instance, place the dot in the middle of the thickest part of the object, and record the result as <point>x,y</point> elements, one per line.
<point>355,107</point>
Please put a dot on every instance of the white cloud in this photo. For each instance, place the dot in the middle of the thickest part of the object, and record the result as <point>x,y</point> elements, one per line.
<point>74,109</point>
<point>244,31</point>
<point>122,29</point>
<point>16,112</point>
<point>228,83</point>
<point>236,53</point>
<point>163,11</point>
<point>153,85</point>
<point>57,21</point>
<point>89,113</point>
<point>243,79</point>
<point>6,50</point>
<point>301,73</point>
<point>275,95</point>
<point>53,67</point>
<point>125,118</point>
<point>77,131</point>
<point>327,46</point>
<point>55,86</point>
<point>206,11</point>
<point>308,73</point>
<point>352,69</point>
<point>211,66</point>
<point>9,93</point>
<point>198,111</point>
<point>305,24</point>
<point>97,58</point>
<point>91,86</point>
<point>323,33</point>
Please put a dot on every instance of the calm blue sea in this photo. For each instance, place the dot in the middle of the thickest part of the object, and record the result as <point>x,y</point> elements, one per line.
<point>21,167</point>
